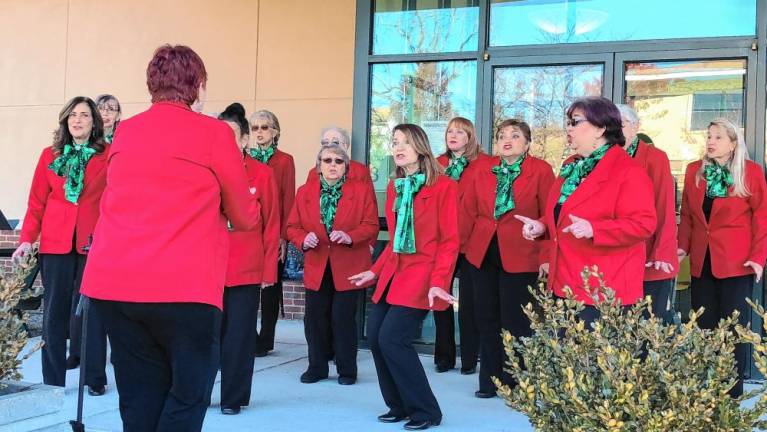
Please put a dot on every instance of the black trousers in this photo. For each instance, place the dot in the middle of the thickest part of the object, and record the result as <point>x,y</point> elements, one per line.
<point>331,315</point>
<point>271,299</point>
<point>660,293</point>
<point>403,383</point>
<point>499,297</point>
<point>238,344</point>
<point>444,321</point>
<point>61,275</point>
<point>165,357</point>
<point>720,297</point>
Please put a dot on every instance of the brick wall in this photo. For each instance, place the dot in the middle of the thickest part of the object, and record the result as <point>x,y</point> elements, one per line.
<point>293,291</point>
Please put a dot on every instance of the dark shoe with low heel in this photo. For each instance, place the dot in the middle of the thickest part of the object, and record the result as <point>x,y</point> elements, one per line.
<point>442,368</point>
<point>421,424</point>
<point>73,362</point>
<point>484,394</point>
<point>97,390</point>
<point>310,378</point>
<point>346,380</point>
<point>230,410</point>
<point>469,371</point>
<point>391,417</point>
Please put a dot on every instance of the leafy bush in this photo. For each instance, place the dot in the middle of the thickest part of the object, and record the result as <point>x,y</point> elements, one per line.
<point>629,372</point>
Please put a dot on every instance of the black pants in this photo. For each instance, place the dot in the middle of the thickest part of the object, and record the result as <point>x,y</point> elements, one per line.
<point>271,299</point>
<point>499,297</point>
<point>720,297</point>
<point>444,321</point>
<point>62,274</point>
<point>238,344</point>
<point>660,293</point>
<point>403,383</point>
<point>165,357</point>
<point>331,315</point>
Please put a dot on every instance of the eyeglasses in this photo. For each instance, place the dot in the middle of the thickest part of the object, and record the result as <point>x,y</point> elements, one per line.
<point>329,161</point>
<point>334,141</point>
<point>108,109</point>
<point>574,122</point>
<point>263,127</point>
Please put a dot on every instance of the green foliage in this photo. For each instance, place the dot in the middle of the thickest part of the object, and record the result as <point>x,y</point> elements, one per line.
<point>13,337</point>
<point>630,372</point>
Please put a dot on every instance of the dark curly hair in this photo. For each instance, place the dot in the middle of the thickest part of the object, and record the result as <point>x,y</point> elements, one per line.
<point>235,113</point>
<point>62,136</point>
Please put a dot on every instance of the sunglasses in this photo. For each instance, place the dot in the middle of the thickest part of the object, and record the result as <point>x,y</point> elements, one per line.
<point>332,160</point>
<point>262,127</point>
<point>574,122</point>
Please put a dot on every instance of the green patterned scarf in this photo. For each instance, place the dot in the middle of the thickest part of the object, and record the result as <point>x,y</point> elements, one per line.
<point>329,196</point>
<point>404,235</point>
<point>71,164</point>
<point>632,148</point>
<point>575,172</point>
<point>505,174</point>
<point>718,180</point>
<point>262,156</point>
<point>456,166</point>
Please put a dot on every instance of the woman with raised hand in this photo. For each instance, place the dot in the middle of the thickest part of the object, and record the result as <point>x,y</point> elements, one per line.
<point>333,221</point>
<point>460,159</point>
<point>724,231</point>
<point>505,264</point>
<point>251,267</point>
<point>414,274</point>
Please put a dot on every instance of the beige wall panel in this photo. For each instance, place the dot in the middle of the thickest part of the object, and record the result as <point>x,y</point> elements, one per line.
<point>305,49</point>
<point>302,121</point>
<point>27,131</point>
<point>223,33</point>
<point>33,40</point>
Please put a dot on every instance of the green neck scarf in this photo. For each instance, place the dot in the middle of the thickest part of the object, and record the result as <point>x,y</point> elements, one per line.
<point>108,138</point>
<point>329,196</point>
<point>632,148</point>
<point>404,235</point>
<point>456,166</point>
<point>505,174</point>
<point>71,164</point>
<point>262,156</point>
<point>718,180</point>
<point>575,172</point>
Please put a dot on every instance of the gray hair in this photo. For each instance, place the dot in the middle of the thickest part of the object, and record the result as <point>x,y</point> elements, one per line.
<point>271,119</point>
<point>341,131</point>
<point>335,149</point>
<point>628,113</point>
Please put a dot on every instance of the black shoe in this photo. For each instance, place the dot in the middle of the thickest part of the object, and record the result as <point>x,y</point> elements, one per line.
<point>310,378</point>
<point>97,390</point>
<point>468,371</point>
<point>261,353</point>
<point>390,417</point>
<point>421,424</point>
<point>442,368</point>
<point>230,410</point>
<point>73,362</point>
<point>484,394</point>
<point>346,380</point>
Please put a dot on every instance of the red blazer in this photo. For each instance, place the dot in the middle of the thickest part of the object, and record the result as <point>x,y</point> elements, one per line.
<point>464,224</point>
<point>162,235</point>
<point>531,189</point>
<point>435,209</point>
<point>736,231</point>
<point>617,199</point>
<point>285,174</point>
<point>662,245</point>
<point>356,215</point>
<point>55,220</point>
<point>253,254</point>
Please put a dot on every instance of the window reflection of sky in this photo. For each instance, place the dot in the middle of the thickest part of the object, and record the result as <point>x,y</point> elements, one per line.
<point>426,31</point>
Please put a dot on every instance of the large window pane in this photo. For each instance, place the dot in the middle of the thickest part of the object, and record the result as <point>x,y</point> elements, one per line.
<point>540,96</point>
<point>425,26</point>
<point>533,22</point>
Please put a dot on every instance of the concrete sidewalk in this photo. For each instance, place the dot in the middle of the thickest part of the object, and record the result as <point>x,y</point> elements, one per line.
<point>279,402</point>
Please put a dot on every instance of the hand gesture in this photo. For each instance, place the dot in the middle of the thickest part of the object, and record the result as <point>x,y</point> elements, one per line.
<point>340,237</point>
<point>532,229</point>
<point>579,228</point>
<point>437,292</point>
<point>363,278</point>
<point>660,265</point>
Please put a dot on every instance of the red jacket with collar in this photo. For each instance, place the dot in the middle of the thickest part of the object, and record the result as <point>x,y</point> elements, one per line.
<point>531,190</point>
<point>464,183</point>
<point>253,254</point>
<point>662,245</point>
<point>173,180</point>
<point>617,199</point>
<point>736,231</point>
<point>55,220</point>
<point>435,210</point>
<point>285,174</point>
<point>356,215</point>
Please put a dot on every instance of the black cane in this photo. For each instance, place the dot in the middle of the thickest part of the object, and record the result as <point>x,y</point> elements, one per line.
<point>82,310</point>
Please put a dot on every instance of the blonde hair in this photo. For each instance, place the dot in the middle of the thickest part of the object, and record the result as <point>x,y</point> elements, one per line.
<point>427,164</point>
<point>737,163</point>
<point>472,149</point>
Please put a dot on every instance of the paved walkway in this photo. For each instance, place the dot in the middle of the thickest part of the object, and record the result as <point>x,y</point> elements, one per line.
<point>281,403</point>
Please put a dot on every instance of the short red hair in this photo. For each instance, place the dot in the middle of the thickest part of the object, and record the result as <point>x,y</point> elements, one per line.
<point>175,74</point>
